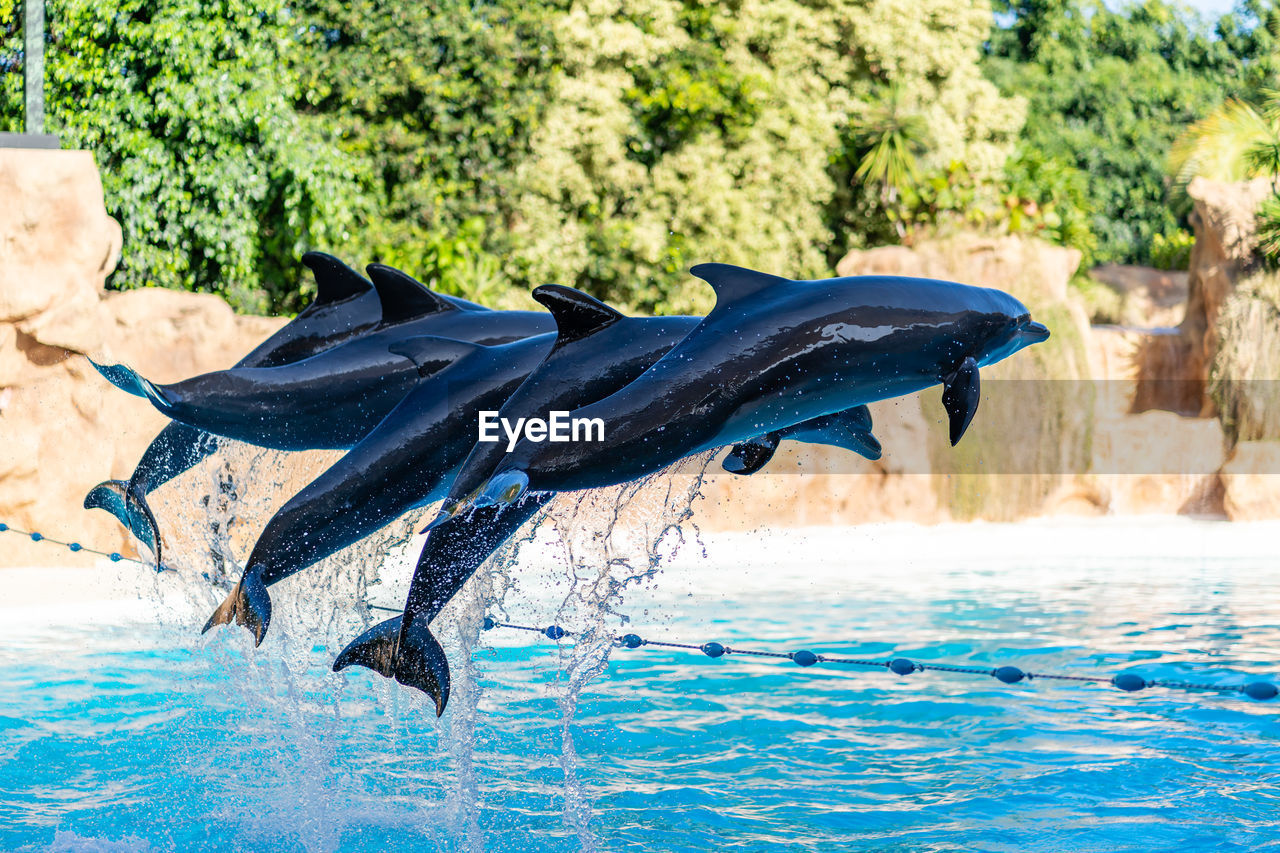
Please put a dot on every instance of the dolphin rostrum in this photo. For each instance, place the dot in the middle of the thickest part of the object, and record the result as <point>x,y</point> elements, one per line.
<point>774,353</point>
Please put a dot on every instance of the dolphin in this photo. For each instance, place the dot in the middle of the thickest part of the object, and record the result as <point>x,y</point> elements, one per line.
<point>347,308</point>
<point>409,459</point>
<point>331,399</point>
<point>403,647</point>
<point>597,352</point>
<point>399,465</point>
<point>346,305</point>
<point>775,353</point>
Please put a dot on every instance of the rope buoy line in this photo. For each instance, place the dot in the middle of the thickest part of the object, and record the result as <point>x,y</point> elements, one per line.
<point>76,547</point>
<point>1126,681</point>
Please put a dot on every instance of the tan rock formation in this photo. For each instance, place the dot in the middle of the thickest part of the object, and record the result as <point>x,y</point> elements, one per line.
<point>1251,481</point>
<point>63,429</point>
<point>1159,463</point>
<point>1174,370</point>
<point>1147,297</point>
<point>56,239</point>
<point>1030,269</point>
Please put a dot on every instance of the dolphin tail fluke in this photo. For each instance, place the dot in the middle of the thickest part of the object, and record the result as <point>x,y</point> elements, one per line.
<point>421,663</point>
<point>374,649</point>
<point>129,506</point>
<point>248,605</point>
<point>127,379</point>
<point>410,654</point>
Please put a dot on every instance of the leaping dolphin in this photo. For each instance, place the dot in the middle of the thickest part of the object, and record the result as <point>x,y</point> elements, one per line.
<point>346,305</point>
<point>408,460</point>
<point>597,352</point>
<point>774,353</point>
<point>225,401</point>
<point>332,399</point>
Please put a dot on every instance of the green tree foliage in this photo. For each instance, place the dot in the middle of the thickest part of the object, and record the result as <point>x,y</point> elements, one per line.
<point>187,104</point>
<point>435,102</point>
<point>889,141</point>
<point>684,130</point>
<point>920,74</point>
<point>1110,90</point>
<point>1235,142</point>
<point>495,145</point>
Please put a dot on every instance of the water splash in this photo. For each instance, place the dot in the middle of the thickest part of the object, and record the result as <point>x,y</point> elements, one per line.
<point>607,541</point>
<point>320,609</point>
<point>610,540</point>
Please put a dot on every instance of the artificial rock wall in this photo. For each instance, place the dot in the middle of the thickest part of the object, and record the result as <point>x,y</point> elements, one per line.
<point>63,429</point>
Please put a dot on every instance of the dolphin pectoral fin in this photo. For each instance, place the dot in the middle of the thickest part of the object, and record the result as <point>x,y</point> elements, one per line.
<point>503,488</point>
<point>129,506</point>
<point>375,649</point>
<point>127,380</point>
<point>748,457</point>
<point>960,397</point>
<point>411,655</point>
<point>421,663</point>
<point>248,604</point>
<point>850,429</point>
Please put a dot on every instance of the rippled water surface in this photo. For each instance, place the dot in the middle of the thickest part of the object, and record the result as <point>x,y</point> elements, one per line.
<point>121,728</point>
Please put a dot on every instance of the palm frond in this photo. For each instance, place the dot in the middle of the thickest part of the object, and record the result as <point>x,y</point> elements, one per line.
<point>1229,144</point>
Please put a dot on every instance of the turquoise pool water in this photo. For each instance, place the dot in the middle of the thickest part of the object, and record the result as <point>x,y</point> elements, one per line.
<point>121,728</point>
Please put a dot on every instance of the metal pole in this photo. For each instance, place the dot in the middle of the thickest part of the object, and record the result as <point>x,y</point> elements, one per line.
<point>33,66</point>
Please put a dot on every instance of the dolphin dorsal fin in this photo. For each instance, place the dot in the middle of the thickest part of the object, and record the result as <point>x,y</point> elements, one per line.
<point>730,282</point>
<point>432,353</point>
<point>335,281</point>
<point>577,315</point>
<point>403,296</point>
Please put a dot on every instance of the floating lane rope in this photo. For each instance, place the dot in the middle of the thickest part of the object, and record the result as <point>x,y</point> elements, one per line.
<point>1126,681</point>
<point>76,547</point>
